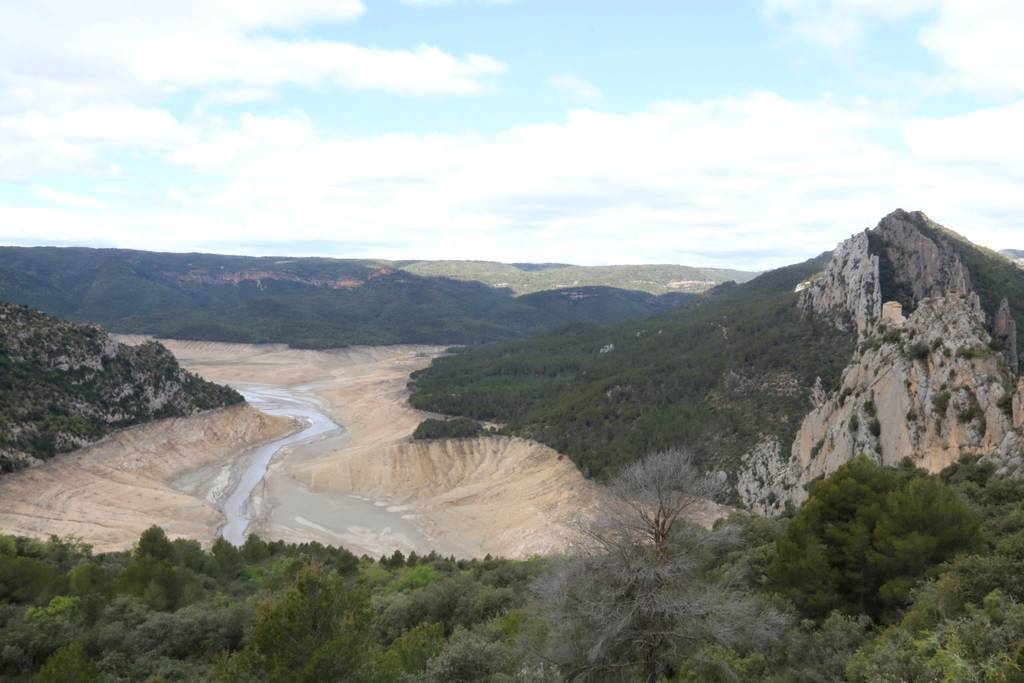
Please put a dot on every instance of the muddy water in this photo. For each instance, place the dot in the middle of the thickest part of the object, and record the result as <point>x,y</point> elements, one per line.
<point>284,508</point>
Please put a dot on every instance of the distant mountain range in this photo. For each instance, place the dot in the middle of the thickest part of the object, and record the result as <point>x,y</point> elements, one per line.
<point>322,303</point>
<point>525,278</point>
<point>1016,254</point>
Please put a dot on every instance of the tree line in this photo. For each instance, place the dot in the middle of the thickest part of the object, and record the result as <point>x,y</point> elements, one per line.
<point>884,574</point>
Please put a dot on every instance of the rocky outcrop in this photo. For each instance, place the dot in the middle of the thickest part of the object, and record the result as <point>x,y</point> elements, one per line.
<point>1018,405</point>
<point>934,386</point>
<point>848,291</point>
<point>64,385</point>
<point>914,266</point>
<point>932,391</point>
<point>895,262</point>
<point>892,313</point>
<point>1004,331</point>
<point>766,480</point>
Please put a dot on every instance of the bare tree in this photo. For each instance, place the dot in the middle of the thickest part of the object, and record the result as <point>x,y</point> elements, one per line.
<point>635,593</point>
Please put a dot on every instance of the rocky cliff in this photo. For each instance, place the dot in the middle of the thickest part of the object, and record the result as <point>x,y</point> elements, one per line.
<point>932,390</point>
<point>64,385</point>
<point>933,386</point>
<point>848,290</point>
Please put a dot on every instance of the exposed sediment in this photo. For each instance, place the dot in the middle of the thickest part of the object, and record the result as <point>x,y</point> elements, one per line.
<point>107,493</point>
<point>496,495</point>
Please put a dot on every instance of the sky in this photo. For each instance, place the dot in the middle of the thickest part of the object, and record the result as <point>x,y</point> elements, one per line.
<point>734,133</point>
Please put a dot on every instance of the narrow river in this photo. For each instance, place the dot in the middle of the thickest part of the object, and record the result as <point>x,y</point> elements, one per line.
<point>293,511</point>
<point>274,402</point>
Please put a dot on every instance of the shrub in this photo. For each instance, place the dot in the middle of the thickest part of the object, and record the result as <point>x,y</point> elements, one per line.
<point>866,535</point>
<point>1006,403</point>
<point>918,351</point>
<point>457,428</point>
<point>68,665</point>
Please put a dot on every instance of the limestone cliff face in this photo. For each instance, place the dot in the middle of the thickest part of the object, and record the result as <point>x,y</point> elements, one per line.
<point>932,391</point>
<point>1004,329</point>
<point>848,291</point>
<point>1018,405</point>
<point>767,479</point>
<point>914,266</point>
<point>933,386</point>
<point>896,261</point>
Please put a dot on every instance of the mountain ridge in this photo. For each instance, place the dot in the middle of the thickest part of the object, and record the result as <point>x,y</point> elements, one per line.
<point>528,278</point>
<point>779,420</point>
<point>305,302</point>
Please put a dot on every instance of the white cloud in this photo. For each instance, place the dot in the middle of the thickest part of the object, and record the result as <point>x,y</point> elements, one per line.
<point>983,137</point>
<point>33,142</point>
<point>575,86</point>
<point>74,201</point>
<point>81,83</point>
<point>836,23</point>
<point>757,180</point>
<point>978,41</point>
<point>71,51</point>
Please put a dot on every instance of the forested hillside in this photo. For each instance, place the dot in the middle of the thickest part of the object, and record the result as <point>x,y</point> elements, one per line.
<point>304,302</point>
<point>883,575</point>
<point>63,385</point>
<point>715,377</point>
<point>749,378</point>
<point>524,278</point>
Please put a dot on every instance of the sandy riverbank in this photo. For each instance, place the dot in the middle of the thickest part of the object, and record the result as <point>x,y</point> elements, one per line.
<point>471,497</point>
<point>368,486</point>
<point>109,492</point>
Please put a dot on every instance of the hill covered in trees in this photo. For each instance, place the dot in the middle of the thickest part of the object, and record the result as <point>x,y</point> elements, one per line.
<point>525,278</point>
<point>715,377</point>
<point>883,575</point>
<point>63,385</point>
<point>778,380</point>
<point>304,302</point>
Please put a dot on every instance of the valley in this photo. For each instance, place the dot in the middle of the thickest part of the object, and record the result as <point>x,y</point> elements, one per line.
<point>109,492</point>
<point>813,458</point>
<point>332,431</point>
<point>495,341</point>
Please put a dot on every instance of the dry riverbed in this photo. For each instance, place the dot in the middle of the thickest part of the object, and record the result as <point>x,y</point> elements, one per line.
<point>344,470</point>
<point>109,492</point>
